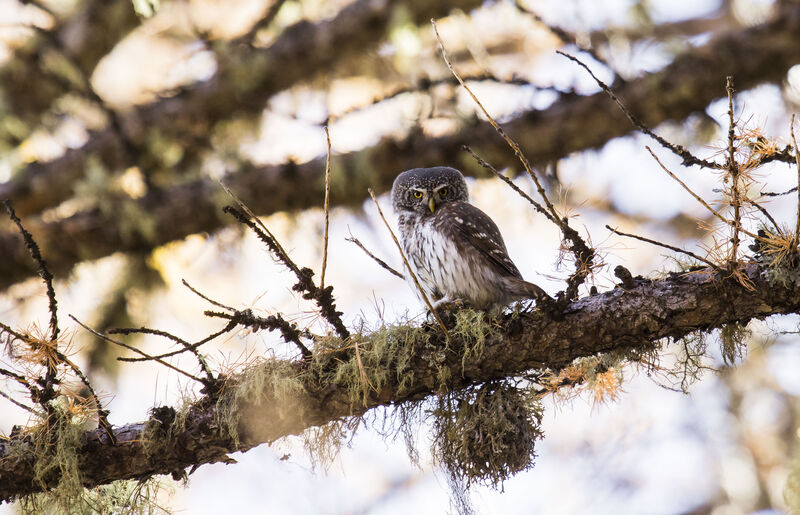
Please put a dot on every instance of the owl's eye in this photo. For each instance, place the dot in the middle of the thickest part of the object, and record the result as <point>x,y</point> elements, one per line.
<point>442,192</point>
<point>417,194</point>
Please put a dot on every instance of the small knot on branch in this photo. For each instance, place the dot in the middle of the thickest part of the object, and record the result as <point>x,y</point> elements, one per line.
<point>624,275</point>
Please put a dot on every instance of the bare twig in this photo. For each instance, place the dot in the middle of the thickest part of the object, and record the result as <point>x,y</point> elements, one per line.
<point>19,404</point>
<point>766,213</point>
<point>566,37</point>
<point>688,158</point>
<point>192,346</point>
<point>206,298</point>
<point>584,254</point>
<point>210,379</point>
<point>510,183</point>
<point>696,196</point>
<point>511,143</point>
<point>733,170</point>
<point>322,296</point>
<point>796,237</point>
<point>289,331</point>
<point>137,351</point>
<point>327,208</point>
<point>44,273</point>
<point>776,194</point>
<point>666,246</point>
<point>382,263</point>
<point>408,267</point>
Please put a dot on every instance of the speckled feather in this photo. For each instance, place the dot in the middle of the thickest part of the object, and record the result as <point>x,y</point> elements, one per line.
<point>456,252</point>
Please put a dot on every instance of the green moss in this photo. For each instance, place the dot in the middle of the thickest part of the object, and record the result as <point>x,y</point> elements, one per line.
<point>689,364</point>
<point>56,470</point>
<point>486,434</point>
<point>372,362</point>
<point>470,330</point>
<point>732,341</point>
<point>274,379</point>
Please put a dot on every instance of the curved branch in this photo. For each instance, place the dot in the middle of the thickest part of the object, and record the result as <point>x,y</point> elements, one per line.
<point>635,318</point>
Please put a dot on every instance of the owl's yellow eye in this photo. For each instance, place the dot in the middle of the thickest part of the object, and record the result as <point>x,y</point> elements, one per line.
<point>442,192</point>
<point>417,194</point>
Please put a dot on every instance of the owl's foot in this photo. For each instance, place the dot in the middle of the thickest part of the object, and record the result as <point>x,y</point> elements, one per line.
<point>447,304</point>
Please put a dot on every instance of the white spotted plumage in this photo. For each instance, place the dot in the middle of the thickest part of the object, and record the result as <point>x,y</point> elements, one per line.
<point>454,249</point>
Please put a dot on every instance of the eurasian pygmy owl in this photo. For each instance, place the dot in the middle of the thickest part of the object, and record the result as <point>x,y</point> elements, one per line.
<point>454,248</point>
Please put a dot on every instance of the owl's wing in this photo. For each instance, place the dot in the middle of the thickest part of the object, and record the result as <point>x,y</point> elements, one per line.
<point>472,229</point>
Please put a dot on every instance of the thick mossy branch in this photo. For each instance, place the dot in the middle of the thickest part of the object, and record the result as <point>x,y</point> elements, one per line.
<point>398,364</point>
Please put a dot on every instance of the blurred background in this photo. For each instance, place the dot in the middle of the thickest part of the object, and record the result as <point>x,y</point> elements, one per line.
<point>118,120</point>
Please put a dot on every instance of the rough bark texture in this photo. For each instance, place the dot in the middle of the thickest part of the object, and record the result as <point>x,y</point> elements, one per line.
<point>621,319</point>
<point>753,56</point>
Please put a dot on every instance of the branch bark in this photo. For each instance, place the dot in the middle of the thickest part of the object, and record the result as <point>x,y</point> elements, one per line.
<point>635,318</point>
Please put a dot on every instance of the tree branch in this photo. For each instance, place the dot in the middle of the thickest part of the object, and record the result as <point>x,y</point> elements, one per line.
<point>635,319</point>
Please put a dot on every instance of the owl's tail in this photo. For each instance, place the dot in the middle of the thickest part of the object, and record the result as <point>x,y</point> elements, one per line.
<point>524,289</point>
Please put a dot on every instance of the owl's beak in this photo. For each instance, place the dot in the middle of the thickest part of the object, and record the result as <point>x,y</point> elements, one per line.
<point>431,204</point>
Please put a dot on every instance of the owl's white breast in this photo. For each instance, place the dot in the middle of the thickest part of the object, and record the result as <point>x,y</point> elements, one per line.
<point>442,269</point>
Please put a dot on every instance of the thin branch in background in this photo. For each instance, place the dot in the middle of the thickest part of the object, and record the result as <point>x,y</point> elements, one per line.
<point>206,298</point>
<point>510,183</point>
<point>775,194</point>
<point>268,238</point>
<point>666,246</point>
<point>322,296</point>
<point>733,171</point>
<point>565,36</point>
<point>766,213</point>
<point>15,334</point>
<point>192,346</point>
<point>696,196</point>
<point>19,404</point>
<point>688,158</point>
<point>511,143</point>
<point>796,237</point>
<point>263,23</point>
<point>50,378</point>
<point>180,341</point>
<point>44,273</point>
<point>137,351</point>
<point>32,390</point>
<point>408,267</point>
<point>246,318</point>
<point>584,254</point>
<point>382,263</point>
<point>425,84</point>
<point>327,208</point>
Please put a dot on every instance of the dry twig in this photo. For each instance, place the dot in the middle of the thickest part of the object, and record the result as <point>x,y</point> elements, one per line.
<point>666,246</point>
<point>382,263</point>
<point>584,254</point>
<point>408,267</point>
<point>327,208</point>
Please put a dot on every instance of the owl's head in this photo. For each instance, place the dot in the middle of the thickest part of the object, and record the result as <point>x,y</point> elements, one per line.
<point>421,190</point>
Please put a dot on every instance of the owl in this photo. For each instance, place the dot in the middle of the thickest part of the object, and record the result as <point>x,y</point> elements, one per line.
<point>454,249</point>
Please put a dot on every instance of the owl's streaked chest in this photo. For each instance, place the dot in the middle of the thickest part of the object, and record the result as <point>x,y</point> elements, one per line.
<point>443,268</point>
